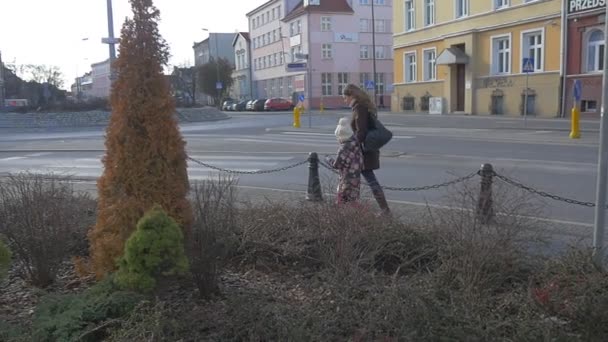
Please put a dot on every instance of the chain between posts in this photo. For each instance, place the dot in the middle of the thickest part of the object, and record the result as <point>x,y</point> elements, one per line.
<point>258,172</point>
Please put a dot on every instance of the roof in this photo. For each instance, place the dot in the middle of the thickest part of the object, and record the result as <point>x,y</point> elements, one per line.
<point>327,6</point>
<point>260,7</point>
<point>452,55</point>
<point>236,36</point>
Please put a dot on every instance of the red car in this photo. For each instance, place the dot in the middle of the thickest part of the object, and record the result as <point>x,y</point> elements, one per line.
<point>278,104</point>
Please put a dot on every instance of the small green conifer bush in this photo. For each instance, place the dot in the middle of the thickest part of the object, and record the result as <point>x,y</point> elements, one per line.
<point>154,250</point>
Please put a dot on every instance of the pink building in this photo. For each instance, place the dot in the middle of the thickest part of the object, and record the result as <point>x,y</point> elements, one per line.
<point>334,38</point>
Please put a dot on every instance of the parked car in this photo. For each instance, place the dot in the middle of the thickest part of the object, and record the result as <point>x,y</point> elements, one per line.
<point>278,104</point>
<point>258,105</point>
<point>239,107</point>
<point>249,105</point>
<point>226,105</point>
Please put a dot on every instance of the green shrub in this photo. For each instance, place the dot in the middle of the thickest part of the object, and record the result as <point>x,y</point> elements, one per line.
<point>5,259</point>
<point>155,249</point>
<point>72,317</point>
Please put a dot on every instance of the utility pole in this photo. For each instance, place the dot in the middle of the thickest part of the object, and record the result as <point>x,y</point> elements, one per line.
<point>111,40</point>
<point>2,96</point>
<point>219,85</point>
<point>374,51</point>
<point>602,170</point>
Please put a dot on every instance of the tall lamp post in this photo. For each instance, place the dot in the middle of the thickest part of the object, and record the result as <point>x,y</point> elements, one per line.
<point>111,40</point>
<point>218,84</point>
<point>374,51</point>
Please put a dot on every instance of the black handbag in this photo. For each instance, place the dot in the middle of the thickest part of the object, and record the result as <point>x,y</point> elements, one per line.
<point>377,135</point>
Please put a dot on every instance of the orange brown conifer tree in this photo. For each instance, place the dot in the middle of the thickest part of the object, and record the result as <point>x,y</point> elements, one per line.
<point>145,160</point>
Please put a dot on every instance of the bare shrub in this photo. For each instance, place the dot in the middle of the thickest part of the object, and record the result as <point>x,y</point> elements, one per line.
<point>45,222</point>
<point>477,257</point>
<point>213,237</point>
<point>345,239</point>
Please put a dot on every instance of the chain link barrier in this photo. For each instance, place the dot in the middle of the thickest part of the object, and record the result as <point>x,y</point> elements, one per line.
<point>542,193</point>
<point>258,172</point>
<point>418,188</point>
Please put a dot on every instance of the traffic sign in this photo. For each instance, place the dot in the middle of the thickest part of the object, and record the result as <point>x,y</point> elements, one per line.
<point>301,97</point>
<point>528,65</point>
<point>369,85</point>
<point>292,67</point>
<point>577,90</point>
<point>218,85</point>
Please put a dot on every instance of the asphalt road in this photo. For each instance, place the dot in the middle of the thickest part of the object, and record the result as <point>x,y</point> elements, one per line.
<point>426,150</point>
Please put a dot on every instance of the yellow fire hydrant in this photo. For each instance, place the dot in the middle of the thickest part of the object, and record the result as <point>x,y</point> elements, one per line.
<point>575,132</point>
<point>296,116</point>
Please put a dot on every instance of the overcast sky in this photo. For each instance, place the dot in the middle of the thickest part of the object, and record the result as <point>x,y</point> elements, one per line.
<point>51,31</point>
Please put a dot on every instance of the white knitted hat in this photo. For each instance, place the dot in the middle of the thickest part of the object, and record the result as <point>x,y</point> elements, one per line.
<point>343,130</point>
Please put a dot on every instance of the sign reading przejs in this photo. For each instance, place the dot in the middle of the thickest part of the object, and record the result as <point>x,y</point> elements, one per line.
<point>576,6</point>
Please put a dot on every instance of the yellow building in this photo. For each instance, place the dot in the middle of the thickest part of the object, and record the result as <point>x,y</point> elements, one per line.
<point>470,53</point>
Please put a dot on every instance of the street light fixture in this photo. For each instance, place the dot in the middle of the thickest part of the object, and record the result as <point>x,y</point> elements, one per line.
<point>218,83</point>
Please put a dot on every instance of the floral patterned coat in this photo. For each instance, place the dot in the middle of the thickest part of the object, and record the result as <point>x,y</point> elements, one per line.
<point>349,162</point>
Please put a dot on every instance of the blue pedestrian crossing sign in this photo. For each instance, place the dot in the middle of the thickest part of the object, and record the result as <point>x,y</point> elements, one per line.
<point>528,65</point>
<point>369,85</point>
<point>577,90</point>
<point>301,97</point>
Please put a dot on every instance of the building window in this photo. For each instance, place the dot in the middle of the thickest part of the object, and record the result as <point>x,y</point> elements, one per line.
<point>595,51</point>
<point>409,59</point>
<point>588,106</point>
<point>380,52</point>
<point>342,81</point>
<point>280,81</point>
<point>364,76</point>
<point>429,12</point>
<point>380,25</point>
<point>364,25</point>
<point>430,67</point>
<point>275,59</point>
<point>501,55</point>
<point>281,58</point>
<point>499,4</point>
<point>533,47</point>
<point>379,83</point>
<point>326,84</point>
<point>462,8</point>
<point>364,52</point>
<point>410,15</point>
<point>325,23</point>
<point>326,51</point>
<point>292,29</point>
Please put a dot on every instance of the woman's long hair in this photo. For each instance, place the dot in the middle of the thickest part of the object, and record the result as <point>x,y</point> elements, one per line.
<point>360,96</point>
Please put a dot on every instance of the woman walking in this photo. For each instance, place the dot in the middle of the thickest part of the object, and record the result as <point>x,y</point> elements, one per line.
<point>363,108</point>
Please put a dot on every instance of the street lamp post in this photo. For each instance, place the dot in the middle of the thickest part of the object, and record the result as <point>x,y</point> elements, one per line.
<point>374,51</point>
<point>218,84</point>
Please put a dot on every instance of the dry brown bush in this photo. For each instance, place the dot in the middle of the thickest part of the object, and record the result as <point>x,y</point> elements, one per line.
<point>45,222</point>
<point>213,237</point>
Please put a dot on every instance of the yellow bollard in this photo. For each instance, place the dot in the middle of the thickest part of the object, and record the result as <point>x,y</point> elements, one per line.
<point>296,117</point>
<point>575,132</point>
<point>321,107</point>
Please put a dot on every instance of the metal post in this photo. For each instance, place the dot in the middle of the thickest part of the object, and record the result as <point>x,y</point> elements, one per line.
<point>602,170</point>
<point>217,69</point>
<point>2,96</point>
<point>485,208</point>
<point>374,52</point>
<point>526,100</point>
<point>314,193</point>
<point>111,39</point>
<point>309,66</point>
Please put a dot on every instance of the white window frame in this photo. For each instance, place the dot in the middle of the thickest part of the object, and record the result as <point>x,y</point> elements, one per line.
<point>598,66</point>
<point>409,15</point>
<point>364,25</point>
<point>380,25</point>
<point>494,70</point>
<point>380,52</point>
<point>326,51</point>
<point>429,13</point>
<point>342,82</point>
<point>364,76</point>
<point>501,4</point>
<point>462,8</point>
<point>326,86</point>
<point>429,73</point>
<point>364,52</point>
<point>379,83</point>
<point>325,24</point>
<point>525,47</point>
<point>407,65</point>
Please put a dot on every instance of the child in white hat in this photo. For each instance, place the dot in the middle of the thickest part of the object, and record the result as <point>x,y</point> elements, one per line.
<point>349,162</point>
